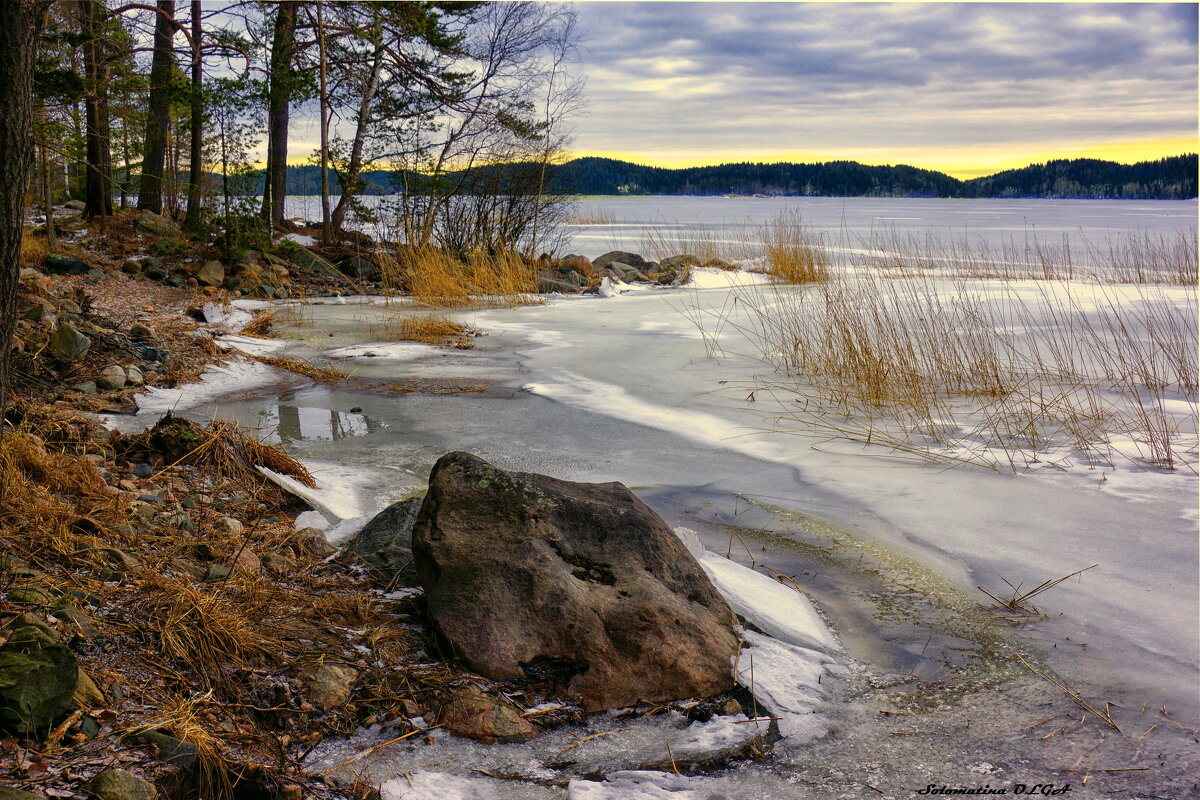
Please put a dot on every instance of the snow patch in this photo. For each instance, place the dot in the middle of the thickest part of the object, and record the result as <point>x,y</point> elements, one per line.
<point>421,785</point>
<point>300,238</point>
<point>713,278</point>
<point>389,352</point>
<point>215,382</point>
<point>786,678</point>
<point>640,785</point>
<point>250,345</point>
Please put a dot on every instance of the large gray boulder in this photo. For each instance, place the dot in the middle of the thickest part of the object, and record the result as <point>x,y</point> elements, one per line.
<point>632,259</point>
<point>156,225</point>
<point>67,343</point>
<point>577,585</point>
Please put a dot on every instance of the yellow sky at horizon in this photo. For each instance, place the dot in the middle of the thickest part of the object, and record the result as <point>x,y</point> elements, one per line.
<point>960,162</point>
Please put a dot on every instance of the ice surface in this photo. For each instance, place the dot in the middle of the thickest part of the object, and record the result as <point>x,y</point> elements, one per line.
<point>312,519</point>
<point>787,678</point>
<point>339,496</point>
<point>216,382</point>
<point>713,278</point>
<point>777,610</point>
<point>640,785</point>
<point>250,345</point>
<point>385,351</point>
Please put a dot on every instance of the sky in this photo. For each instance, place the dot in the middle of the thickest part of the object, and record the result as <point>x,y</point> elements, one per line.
<point>965,88</point>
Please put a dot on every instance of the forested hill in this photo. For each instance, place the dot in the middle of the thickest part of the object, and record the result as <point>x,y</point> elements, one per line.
<point>1168,178</point>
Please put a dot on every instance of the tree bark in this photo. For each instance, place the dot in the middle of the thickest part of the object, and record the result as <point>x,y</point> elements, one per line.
<point>20,25</point>
<point>350,181</point>
<point>98,179</point>
<point>196,162</point>
<point>150,186</point>
<point>325,228</point>
<point>283,47</point>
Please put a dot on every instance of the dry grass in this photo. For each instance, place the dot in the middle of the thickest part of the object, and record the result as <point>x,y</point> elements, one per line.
<point>305,368</point>
<point>33,249</point>
<point>992,374</point>
<point>205,626</point>
<point>792,252</point>
<point>261,325</point>
<point>439,279</point>
<point>436,330</point>
<point>222,448</point>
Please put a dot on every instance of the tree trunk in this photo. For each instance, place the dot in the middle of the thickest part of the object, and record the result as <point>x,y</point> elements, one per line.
<point>325,228</point>
<point>98,179</point>
<point>350,180</point>
<point>150,187</point>
<point>196,162</point>
<point>20,25</point>
<point>283,47</point>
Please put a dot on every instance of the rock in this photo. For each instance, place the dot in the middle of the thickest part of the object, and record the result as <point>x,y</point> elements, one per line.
<point>174,281</point>
<point>247,562</point>
<point>328,686</point>
<point>118,784</point>
<point>171,750</point>
<point>155,225</point>
<point>211,274</point>
<point>131,267</point>
<point>627,272</point>
<point>112,377</point>
<point>230,526</point>
<point>384,546</point>
<point>67,343</point>
<point>75,205</point>
<point>75,622</point>
<point>632,259</point>
<point>548,285</point>
<point>141,333</point>
<point>38,680</point>
<point>679,262</point>
<point>309,260</point>
<point>474,715</point>
<point>359,267</point>
<point>87,693</point>
<point>313,542</point>
<point>579,263</point>
<point>9,793</point>
<point>68,306</point>
<point>40,312</point>
<point>579,585</point>
<point>142,471</point>
<point>97,274</point>
<point>86,387</point>
<point>63,265</point>
<point>30,595</point>
<point>134,376</point>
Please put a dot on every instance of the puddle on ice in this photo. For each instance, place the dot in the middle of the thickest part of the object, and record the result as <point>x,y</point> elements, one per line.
<point>288,423</point>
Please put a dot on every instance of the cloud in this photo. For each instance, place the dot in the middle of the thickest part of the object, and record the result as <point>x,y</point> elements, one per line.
<point>730,77</point>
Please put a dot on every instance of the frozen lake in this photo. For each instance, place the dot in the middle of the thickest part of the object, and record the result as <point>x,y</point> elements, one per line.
<point>890,548</point>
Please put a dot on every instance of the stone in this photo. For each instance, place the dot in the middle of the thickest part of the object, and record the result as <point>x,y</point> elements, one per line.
<point>359,267</point>
<point>141,333</point>
<point>156,225</point>
<point>632,259</point>
<point>548,285</point>
<point>112,377</point>
<point>85,387</point>
<point>384,546</point>
<point>175,752</point>
<point>174,281</point>
<point>679,262</point>
<point>474,715</point>
<point>230,526</point>
<point>31,595</point>
<point>313,542</point>
<point>119,784</point>
<point>131,267</point>
<point>142,471</point>
<point>211,274</point>
<point>329,686</point>
<point>9,793</point>
<point>67,343</point>
<point>63,265</point>
<point>87,693</point>
<point>309,260</point>
<point>247,562</point>
<point>581,586</point>
<point>68,306</point>
<point>38,680</point>
<point>134,376</point>
<point>39,312</point>
<point>577,263</point>
<point>75,205</point>
<point>97,274</point>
